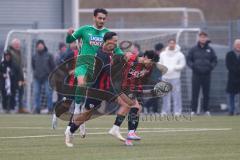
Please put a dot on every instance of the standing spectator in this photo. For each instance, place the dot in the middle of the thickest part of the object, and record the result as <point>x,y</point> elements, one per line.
<point>175,61</point>
<point>159,48</point>
<point>9,73</point>
<point>43,64</point>
<point>15,51</point>
<point>202,60</point>
<point>233,67</point>
<point>62,49</point>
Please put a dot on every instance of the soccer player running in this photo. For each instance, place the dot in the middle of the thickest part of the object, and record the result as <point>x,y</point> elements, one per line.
<point>92,39</point>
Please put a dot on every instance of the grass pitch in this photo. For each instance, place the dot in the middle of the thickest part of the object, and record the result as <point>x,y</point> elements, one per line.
<point>30,137</point>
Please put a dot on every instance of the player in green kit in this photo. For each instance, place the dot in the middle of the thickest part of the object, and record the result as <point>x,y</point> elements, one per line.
<point>92,38</point>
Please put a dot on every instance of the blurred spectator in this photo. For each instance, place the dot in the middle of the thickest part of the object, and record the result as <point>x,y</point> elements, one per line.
<point>174,60</point>
<point>43,64</point>
<point>9,73</point>
<point>159,48</point>
<point>233,67</point>
<point>153,103</point>
<point>202,60</point>
<point>15,50</point>
<point>62,49</point>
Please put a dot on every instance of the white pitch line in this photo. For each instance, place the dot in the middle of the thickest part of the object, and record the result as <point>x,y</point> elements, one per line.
<point>104,133</point>
<point>92,128</point>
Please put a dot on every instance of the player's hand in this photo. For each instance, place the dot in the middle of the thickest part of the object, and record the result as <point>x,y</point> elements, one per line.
<point>70,31</point>
<point>81,81</point>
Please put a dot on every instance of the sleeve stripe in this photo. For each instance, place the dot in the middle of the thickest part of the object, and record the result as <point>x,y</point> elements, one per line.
<point>74,36</point>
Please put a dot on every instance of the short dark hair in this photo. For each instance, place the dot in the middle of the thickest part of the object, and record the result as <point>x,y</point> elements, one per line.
<point>100,10</point>
<point>150,54</point>
<point>109,36</point>
<point>159,47</point>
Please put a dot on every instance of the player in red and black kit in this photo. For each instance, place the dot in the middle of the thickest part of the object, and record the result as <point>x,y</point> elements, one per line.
<point>134,75</point>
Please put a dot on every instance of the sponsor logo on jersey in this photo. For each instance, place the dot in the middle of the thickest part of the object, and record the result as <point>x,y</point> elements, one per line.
<point>96,40</point>
<point>137,74</point>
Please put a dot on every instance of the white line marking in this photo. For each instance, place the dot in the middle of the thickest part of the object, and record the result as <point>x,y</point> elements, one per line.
<point>92,128</point>
<point>104,133</point>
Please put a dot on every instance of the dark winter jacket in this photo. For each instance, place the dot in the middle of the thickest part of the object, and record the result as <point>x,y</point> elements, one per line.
<point>202,60</point>
<point>42,64</point>
<point>14,73</point>
<point>233,67</point>
<point>17,60</point>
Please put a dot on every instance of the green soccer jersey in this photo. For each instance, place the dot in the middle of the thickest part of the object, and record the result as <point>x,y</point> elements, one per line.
<point>92,39</point>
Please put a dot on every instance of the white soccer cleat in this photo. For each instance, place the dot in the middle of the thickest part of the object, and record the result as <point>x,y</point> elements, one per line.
<point>114,131</point>
<point>82,130</point>
<point>54,121</point>
<point>68,137</point>
<point>133,136</point>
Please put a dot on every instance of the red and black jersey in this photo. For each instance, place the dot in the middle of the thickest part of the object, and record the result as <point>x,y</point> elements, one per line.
<point>103,61</point>
<point>134,75</point>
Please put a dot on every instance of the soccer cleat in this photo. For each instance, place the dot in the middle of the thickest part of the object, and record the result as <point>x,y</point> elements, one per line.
<point>82,130</point>
<point>54,121</point>
<point>133,136</point>
<point>128,142</point>
<point>68,137</point>
<point>114,131</point>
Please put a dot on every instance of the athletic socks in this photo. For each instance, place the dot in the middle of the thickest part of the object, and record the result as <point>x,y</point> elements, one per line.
<point>133,119</point>
<point>119,120</point>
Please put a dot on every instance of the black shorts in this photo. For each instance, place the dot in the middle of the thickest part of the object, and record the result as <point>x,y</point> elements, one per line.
<point>91,103</point>
<point>139,97</point>
<point>135,96</point>
<point>99,92</point>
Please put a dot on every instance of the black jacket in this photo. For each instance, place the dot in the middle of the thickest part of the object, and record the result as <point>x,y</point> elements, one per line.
<point>233,67</point>
<point>17,60</point>
<point>14,74</point>
<point>202,60</point>
<point>42,64</point>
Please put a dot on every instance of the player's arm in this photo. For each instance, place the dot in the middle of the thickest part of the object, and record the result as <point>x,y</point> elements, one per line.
<point>74,35</point>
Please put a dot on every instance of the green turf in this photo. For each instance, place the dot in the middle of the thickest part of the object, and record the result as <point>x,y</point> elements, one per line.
<point>165,144</point>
